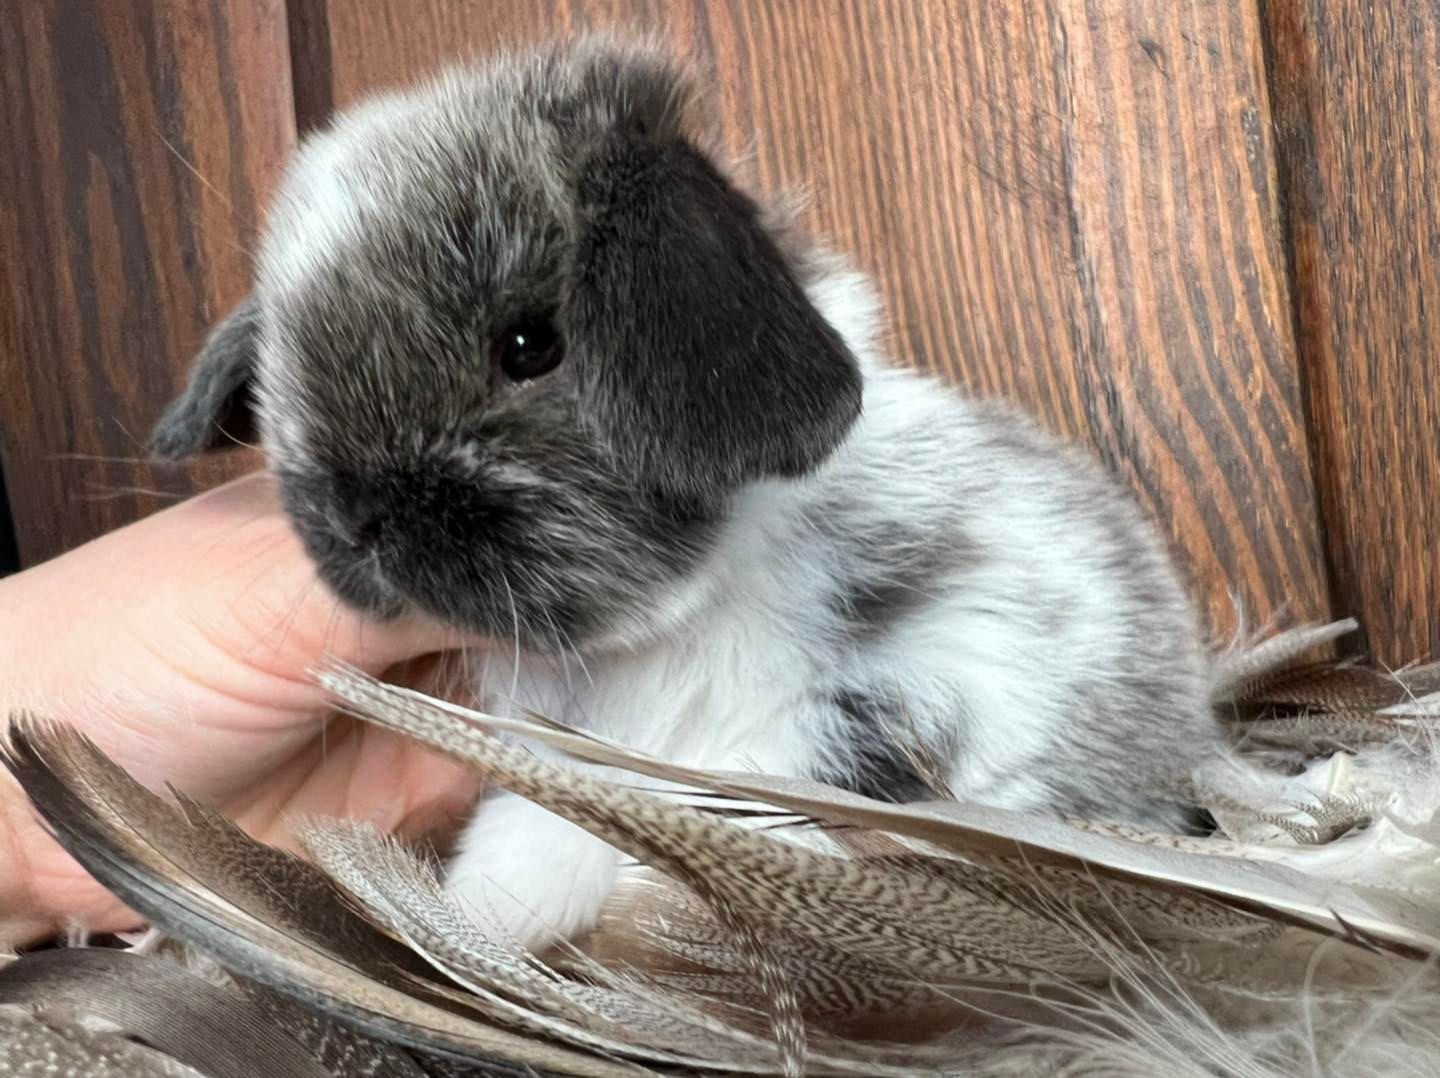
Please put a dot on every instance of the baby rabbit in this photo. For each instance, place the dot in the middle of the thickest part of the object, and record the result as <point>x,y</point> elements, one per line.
<point>525,359</point>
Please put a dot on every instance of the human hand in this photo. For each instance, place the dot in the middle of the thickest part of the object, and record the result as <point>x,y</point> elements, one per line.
<point>181,645</point>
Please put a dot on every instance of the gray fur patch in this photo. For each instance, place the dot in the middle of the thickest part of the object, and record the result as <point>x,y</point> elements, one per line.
<point>899,567</point>
<point>877,757</point>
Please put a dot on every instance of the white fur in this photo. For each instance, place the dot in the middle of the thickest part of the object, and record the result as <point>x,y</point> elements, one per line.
<point>725,673</point>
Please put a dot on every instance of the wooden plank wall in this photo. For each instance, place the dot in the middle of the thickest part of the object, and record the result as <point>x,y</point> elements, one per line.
<point>1357,108</point>
<point>140,142</point>
<point>1080,205</point>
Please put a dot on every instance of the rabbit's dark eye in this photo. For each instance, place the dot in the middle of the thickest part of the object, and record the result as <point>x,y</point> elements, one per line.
<point>528,349</point>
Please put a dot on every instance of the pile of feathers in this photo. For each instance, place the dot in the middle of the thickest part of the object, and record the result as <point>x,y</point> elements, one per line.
<point>774,926</point>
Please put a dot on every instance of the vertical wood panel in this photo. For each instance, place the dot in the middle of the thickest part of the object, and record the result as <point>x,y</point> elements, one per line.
<point>1357,107</point>
<point>140,141</point>
<point>1070,204</point>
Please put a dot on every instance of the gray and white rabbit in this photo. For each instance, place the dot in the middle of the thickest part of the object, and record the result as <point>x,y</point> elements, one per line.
<point>525,359</point>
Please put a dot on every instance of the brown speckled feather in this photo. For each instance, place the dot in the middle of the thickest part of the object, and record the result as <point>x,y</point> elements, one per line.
<point>778,926</point>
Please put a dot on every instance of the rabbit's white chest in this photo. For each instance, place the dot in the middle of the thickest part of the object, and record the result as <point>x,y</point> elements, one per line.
<point>739,685</point>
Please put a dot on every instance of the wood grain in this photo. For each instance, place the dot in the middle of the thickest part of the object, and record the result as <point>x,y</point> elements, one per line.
<point>1071,204</point>
<point>1357,107</point>
<point>141,140</point>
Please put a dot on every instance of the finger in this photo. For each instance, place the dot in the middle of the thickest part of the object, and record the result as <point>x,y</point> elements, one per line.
<point>256,589</point>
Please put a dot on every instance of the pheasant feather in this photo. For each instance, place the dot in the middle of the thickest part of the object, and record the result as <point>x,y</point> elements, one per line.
<point>772,925</point>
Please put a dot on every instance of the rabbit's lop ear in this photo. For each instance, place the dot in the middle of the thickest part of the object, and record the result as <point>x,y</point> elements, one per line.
<point>214,411</point>
<point>704,362</point>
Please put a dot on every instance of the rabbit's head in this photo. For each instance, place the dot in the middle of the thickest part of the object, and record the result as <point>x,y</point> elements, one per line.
<point>515,343</point>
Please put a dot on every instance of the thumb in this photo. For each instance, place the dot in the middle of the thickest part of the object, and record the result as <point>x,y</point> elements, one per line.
<point>247,585</point>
